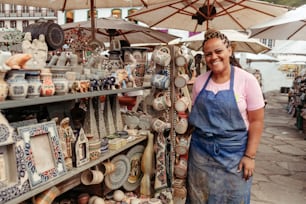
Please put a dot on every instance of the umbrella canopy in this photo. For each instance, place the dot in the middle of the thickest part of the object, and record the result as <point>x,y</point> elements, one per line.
<point>292,47</point>
<point>80,4</point>
<point>240,41</point>
<point>199,15</point>
<point>108,29</point>
<point>250,57</point>
<point>289,26</point>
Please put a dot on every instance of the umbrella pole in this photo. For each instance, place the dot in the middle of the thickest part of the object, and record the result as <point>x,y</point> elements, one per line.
<point>92,15</point>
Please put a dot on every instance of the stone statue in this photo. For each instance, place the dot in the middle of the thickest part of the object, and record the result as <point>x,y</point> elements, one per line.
<point>41,50</point>
<point>28,48</point>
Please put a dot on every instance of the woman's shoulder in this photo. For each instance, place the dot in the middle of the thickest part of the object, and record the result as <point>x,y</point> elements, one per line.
<point>242,74</point>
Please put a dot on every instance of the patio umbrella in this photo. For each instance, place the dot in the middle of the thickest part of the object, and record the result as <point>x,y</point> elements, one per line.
<point>289,26</point>
<point>199,15</point>
<point>240,41</point>
<point>107,29</point>
<point>63,5</point>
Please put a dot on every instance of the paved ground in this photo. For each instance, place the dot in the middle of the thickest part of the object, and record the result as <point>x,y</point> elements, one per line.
<point>280,173</point>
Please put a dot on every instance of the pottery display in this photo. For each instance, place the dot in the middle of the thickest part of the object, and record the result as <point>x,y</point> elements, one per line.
<point>34,84</point>
<point>182,104</point>
<point>161,56</point>
<point>3,86</point>
<point>181,80</point>
<point>92,177</point>
<point>160,81</point>
<point>18,86</point>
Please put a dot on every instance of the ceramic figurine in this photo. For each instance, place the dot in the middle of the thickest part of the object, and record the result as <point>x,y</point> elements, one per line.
<point>67,137</point>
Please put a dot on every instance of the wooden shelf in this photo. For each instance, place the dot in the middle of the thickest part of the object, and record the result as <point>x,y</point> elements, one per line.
<point>74,172</point>
<point>58,98</point>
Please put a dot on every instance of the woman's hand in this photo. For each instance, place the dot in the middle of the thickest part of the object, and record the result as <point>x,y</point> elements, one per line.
<point>247,165</point>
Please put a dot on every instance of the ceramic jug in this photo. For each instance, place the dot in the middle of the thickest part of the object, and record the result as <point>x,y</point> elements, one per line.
<point>18,86</point>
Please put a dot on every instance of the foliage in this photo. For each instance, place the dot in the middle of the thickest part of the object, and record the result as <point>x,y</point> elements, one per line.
<point>13,36</point>
<point>293,3</point>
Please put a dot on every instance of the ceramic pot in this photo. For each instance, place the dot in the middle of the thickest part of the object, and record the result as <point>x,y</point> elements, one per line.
<point>3,87</point>
<point>83,198</point>
<point>34,84</point>
<point>180,169</point>
<point>162,101</point>
<point>18,86</point>
<point>61,84</point>
<point>181,147</point>
<point>108,168</point>
<point>47,87</point>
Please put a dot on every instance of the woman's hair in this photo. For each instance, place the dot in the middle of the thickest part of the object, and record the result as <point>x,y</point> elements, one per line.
<point>212,33</point>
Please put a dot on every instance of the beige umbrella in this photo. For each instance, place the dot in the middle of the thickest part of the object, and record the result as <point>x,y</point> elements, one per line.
<point>289,26</point>
<point>107,29</point>
<point>199,15</point>
<point>81,4</point>
<point>240,41</point>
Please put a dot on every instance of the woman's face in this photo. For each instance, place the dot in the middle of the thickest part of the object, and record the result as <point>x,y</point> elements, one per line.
<point>217,55</point>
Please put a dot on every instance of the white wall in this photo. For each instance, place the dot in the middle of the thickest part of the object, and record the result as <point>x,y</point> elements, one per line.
<point>272,77</point>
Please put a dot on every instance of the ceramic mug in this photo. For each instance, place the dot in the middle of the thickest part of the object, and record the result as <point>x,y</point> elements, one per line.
<point>180,169</point>
<point>158,125</point>
<point>91,177</point>
<point>181,147</point>
<point>162,101</point>
<point>181,80</point>
<point>182,104</point>
<point>108,167</point>
<point>160,81</point>
<point>181,125</point>
<point>161,57</point>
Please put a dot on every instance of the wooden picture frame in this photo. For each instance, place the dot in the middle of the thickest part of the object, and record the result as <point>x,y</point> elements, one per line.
<point>43,154</point>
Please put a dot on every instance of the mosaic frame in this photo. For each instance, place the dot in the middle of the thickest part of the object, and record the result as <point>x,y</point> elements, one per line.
<point>31,132</point>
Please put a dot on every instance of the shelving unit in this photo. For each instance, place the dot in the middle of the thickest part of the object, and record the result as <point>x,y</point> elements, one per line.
<point>73,174</point>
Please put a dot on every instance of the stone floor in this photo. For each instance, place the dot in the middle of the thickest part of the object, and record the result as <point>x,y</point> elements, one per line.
<point>280,173</point>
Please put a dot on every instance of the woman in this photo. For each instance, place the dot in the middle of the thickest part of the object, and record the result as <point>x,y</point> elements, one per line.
<point>227,116</point>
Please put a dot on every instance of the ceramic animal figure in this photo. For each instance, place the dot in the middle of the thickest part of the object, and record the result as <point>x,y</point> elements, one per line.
<point>122,78</point>
<point>3,57</point>
<point>18,61</point>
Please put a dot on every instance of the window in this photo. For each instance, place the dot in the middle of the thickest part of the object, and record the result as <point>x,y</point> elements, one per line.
<point>2,25</point>
<point>13,8</point>
<point>69,17</point>
<point>13,24</point>
<point>2,8</point>
<point>38,9</point>
<point>25,23</point>
<point>130,12</point>
<point>25,9</point>
<point>116,13</point>
<point>95,14</point>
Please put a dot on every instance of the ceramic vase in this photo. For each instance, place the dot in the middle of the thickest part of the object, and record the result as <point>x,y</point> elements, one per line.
<point>147,167</point>
<point>34,84</point>
<point>3,87</point>
<point>47,87</point>
<point>18,86</point>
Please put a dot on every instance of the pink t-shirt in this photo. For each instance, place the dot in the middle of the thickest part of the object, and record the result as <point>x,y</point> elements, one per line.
<point>246,88</point>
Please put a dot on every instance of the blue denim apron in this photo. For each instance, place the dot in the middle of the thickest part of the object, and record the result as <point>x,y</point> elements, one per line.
<point>216,148</point>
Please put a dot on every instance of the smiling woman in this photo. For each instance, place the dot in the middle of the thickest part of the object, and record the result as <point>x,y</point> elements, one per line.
<point>221,158</point>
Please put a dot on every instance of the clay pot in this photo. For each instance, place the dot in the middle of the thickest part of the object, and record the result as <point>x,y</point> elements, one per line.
<point>18,86</point>
<point>83,198</point>
<point>127,100</point>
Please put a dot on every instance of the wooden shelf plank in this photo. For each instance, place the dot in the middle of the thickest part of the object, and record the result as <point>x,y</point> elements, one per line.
<point>58,98</point>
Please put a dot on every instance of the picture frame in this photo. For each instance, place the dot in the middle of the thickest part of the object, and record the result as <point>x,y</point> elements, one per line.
<point>42,151</point>
<point>81,149</point>
<point>14,179</point>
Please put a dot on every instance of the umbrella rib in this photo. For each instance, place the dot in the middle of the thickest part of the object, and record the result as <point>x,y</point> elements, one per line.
<point>296,31</point>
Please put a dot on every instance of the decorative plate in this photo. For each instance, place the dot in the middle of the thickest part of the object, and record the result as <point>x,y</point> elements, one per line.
<point>135,175</point>
<point>122,169</point>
